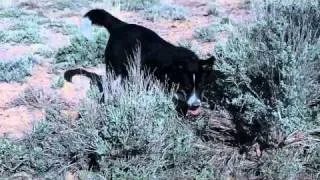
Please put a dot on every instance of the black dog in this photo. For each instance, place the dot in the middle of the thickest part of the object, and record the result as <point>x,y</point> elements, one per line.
<point>176,65</point>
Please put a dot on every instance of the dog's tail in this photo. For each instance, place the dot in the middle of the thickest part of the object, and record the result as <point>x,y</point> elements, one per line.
<point>101,17</point>
<point>94,78</point>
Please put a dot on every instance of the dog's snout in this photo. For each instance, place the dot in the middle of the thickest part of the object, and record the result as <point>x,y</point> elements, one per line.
<point>194,101</point>
<point>195,104</point>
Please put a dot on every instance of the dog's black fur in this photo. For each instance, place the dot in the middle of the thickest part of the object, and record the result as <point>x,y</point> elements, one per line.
<point>176,65</point>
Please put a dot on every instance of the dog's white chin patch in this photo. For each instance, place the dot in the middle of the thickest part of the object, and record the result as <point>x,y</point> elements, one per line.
<point>86,28</point>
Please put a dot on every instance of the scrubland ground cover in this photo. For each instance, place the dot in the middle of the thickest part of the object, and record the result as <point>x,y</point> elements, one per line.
<point>264,124</point>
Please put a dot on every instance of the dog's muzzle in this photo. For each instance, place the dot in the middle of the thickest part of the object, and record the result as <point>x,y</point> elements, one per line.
<point>193,102</point>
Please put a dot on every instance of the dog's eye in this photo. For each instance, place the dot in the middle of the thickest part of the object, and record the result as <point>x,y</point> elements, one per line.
<point>183,92</point>
<point>180,95</point>
<point>207,67</point>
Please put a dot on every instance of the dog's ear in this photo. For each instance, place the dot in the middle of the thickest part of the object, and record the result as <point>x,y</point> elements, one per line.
<point>208,63</point>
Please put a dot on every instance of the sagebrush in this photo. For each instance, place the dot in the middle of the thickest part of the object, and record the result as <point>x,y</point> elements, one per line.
<point>17,69</point>
<point>270,73</point>
<point>166,11</point>
<point>211,32</point>
<point>136,4</point>
<point>83,51</point>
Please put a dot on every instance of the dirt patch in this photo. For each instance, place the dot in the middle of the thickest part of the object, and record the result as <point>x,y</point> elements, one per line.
<point>172,31</point>
<point>236,10</point>
<point>9,92</point>
<point>13,52</point>
<point>55,40</point>
<point>17,121</point>
<point>40,77</point>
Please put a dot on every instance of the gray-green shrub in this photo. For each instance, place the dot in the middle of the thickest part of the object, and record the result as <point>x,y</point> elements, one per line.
<point>58,82</point>
<point>274,64</point>
<point>12,13</point>
<point>83,51</point>
<point>68,4</point>
<point>190,45</point>
<point>210,33</point>
<point>213,10</point>
<point>38,98</point>
<point>136,4</point>
<point>166,11</point>
<point>45,52</point>
<point>16,70</point>
<point>63,27</point>
<point>23,32</point>
<point>24,26</point>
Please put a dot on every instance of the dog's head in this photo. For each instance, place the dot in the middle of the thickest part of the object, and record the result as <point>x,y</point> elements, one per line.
<point>192,75</point>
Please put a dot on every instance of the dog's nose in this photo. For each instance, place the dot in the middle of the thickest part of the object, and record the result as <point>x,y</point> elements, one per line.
<point>194,101</point>
<point>195,104</point>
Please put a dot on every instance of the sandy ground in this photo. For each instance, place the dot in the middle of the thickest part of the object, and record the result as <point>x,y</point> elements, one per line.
<point>17,120</point>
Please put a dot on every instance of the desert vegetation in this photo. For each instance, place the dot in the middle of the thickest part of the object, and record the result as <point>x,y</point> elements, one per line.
<point>16,69</point>
<point>82,51</point>
<point>264,117</point>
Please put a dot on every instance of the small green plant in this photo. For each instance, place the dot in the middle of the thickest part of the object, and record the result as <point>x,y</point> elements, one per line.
<point>247,4</point>
<point>83,51</point>
<point>212,10</point>
<point>137,4</point>
<point>45,51</point>
<point>38,98</point>
<point>166,11</point>
<point>58,83</point>
<point>16,15</point>
<point>22,32</point>
<point>16,70</point>
<point>63,27</point>
<point>12,13</point>
<point>210,33</point>
<point>23,26</point>
<point>189,45</point>
<point>68,4</point>
<point>225,20</point>
<point>185,43</point>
